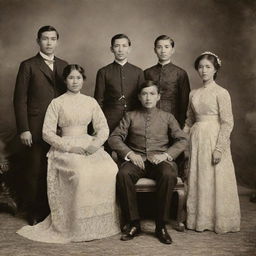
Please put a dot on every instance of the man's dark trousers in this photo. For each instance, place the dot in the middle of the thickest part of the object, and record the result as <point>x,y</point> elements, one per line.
<point>165,175</point>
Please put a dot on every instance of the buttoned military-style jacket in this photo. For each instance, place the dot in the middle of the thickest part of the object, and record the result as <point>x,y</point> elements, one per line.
<point>116,90</point>
<point>175,88</point>
<point>148,132</point>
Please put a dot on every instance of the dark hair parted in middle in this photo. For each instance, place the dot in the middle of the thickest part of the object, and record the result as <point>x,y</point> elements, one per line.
<point>209,57</point>
<point>120,36</point>
<point>164,37</point>
<point>67,70</point>
<point>148,83</point>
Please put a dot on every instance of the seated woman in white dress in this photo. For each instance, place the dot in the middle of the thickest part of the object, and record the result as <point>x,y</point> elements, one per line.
<point>212,202</point>
<point>81,175</point>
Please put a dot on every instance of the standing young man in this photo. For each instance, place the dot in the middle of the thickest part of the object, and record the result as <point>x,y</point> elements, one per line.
<point>39,80</point>
<point>117,83</point>
<point>173,80</point>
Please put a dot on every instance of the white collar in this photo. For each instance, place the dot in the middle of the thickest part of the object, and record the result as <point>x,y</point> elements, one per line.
<point>122,63</point>
<point>169,61</point>
<point>46,57</point>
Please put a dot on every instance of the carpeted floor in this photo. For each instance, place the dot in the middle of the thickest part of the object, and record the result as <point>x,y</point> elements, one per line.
<point>188,243</point>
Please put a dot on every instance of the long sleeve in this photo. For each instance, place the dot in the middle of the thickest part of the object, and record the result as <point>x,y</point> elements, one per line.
<point>118,136</point>
<point>21,98</point>
<point>50,129</point>
<point>190,120</point>
<point>179,137</point>
<point>141,78</point>
<point>100,87</point>
<point>100,126</point>
<point>184,90</point>
<point>226,120</point>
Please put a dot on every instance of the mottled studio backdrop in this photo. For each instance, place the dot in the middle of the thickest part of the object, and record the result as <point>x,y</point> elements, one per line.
<point>226,27</point>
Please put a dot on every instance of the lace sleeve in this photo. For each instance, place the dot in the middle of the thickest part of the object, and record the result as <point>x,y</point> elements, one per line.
<point>190,115</point>
<point>100,126</point>
<point>50,128</point>
<point>226,120</point>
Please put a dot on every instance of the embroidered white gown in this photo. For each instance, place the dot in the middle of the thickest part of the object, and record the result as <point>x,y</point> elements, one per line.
<point>81,189</point>
<point>212,202</point>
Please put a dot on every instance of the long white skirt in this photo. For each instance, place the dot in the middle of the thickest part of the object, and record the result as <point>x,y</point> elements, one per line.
<point>213,202</point>
<point>81,194</point>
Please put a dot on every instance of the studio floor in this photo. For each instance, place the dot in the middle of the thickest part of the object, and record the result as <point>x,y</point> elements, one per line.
<point>189,243</point>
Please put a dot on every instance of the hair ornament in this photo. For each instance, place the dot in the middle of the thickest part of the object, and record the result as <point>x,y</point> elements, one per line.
<point>213,54</point>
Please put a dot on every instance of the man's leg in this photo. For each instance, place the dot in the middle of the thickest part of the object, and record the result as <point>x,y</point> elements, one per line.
<point>42,205</point>
<point>35,179</point>
<point>165,175</point>
<point>127,176</point>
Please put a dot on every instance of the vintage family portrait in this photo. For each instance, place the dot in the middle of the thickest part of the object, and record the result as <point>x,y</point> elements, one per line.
<point>128,127</point>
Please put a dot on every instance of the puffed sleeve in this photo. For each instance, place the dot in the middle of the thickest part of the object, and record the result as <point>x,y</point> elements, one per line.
<point>100,126</point>
<point>50,128</point>
<point>226,120</point>
<point>190,120</point>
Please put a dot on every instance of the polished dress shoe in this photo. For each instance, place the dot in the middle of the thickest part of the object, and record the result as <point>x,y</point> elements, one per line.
<point>131,233</point>
<point>163,236</point>
<point>126,228</point>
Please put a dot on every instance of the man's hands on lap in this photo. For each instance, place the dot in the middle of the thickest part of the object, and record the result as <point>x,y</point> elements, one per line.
<point>157,158</point>
<point>137,160</point>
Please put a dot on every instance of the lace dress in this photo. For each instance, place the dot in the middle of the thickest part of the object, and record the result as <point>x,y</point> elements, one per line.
<point>81,188</point>
<point>212,202</point>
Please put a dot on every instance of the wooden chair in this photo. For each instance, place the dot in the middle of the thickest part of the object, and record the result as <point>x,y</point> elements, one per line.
<point>146,185</point>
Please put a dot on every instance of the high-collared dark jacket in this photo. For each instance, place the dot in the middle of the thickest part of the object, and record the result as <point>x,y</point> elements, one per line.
<point>148,132</point>
<point>112,82</point>
<point>36,86</point>
<point>175,89</point>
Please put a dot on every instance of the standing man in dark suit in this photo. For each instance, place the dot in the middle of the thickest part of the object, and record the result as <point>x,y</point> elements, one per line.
<point>142,139</point>
<point>39,80</point>
<point>117,83</point>
<point>173,80</point>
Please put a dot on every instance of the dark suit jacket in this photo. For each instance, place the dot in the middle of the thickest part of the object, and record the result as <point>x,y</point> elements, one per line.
<point>36,86</point>
<point>112,82</point>
<point>148,133</point>
<point>175,89</point>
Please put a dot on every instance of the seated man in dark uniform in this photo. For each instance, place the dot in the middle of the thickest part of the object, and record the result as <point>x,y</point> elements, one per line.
<point>143,140</point>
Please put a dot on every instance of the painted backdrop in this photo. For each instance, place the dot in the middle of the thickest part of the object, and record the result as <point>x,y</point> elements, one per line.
<point>226,27</point>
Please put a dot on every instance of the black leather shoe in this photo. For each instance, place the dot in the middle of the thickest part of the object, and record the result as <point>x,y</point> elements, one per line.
<point>126,228</point>
<point>163,235</point>
<point>133,231</point>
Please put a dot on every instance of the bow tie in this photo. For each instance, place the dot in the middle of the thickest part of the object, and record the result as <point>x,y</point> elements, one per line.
<point>49,61</point>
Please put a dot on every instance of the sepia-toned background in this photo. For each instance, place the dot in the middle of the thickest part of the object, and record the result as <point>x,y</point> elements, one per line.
<point>225,27</point>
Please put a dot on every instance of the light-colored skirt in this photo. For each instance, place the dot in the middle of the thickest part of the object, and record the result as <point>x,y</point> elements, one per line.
<point>81,194</point>
<point>213,202</point>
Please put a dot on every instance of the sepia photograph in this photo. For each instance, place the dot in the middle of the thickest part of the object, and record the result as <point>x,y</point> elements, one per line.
<point>127,127</point>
